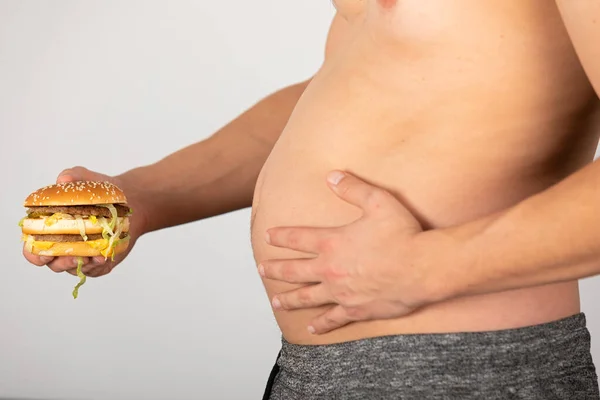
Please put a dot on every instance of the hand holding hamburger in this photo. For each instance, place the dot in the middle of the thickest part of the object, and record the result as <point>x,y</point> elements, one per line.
<point>80,225</point>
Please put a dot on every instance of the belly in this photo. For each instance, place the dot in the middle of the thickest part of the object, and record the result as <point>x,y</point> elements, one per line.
<point>293,194</point>
<point>449,148</point>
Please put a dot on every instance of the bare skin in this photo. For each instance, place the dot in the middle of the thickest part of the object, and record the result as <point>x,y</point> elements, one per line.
<point>230,161</point>
<point>459,109</point>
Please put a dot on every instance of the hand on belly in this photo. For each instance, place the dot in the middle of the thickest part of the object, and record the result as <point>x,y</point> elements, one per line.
<point>369,269</point>
<point>380,274</point>
<point>438,155</point>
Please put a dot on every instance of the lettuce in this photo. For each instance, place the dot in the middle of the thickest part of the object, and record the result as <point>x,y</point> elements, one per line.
<point>81,276</point>
<point>29,243</point>
<point>107,231</point>
<point>81,226</point>
<point>113,212</point>
<point>110,231</point>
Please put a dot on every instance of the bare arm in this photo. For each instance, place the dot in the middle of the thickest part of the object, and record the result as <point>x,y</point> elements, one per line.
<point>212,177</point>
<point>553,236</point>
<point>217,175</point>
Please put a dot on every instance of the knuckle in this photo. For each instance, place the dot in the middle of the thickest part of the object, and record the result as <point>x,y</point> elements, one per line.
<point>375,198</point>
<point>339,297</point>
<point>328,244</point>
<point>355,313</point>
<point>335,273</point>
<point>56,268</point>
<point>293,238</point>
<point>288,272</point>
<point>62,264</point>
<point>329,319</point>
<point>88,269</point>
<point>95,272</point>
<point>285,273</point>
<point>304,296</point>
<point>344,297</point>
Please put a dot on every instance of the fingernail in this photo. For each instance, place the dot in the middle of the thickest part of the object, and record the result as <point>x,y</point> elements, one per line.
<point>261,270</point>
<point>98,260</point>
<point>268,238</point>
<point>64,172</point>
<point>335,177</point>
<point>311,330</point>
<point>276,303</point>
<point>45,259</point>
<point>65,176</point>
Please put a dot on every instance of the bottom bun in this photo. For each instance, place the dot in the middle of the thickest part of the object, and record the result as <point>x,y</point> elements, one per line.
<point>77,249</point>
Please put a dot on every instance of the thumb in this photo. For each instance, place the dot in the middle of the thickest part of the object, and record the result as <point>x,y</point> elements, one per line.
<point>358,192</point>
<point>371,199</point>
<point>76,174</point>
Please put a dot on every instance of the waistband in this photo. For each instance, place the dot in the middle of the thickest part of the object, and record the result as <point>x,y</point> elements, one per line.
<point>514,354</point>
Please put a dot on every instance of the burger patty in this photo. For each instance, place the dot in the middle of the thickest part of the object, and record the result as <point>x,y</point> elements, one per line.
<point>70,238</point>
<point>122,210</point>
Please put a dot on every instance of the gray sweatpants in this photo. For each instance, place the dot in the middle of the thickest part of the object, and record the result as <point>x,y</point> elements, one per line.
<point>548,361</point>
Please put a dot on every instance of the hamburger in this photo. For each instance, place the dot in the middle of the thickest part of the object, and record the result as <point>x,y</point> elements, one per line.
<point>80,219</point>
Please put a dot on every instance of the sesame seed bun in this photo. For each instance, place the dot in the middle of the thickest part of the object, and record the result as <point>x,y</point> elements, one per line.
<point>76,193</point>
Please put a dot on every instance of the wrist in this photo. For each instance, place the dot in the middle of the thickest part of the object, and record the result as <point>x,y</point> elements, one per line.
<point>137,199</point>
<point>444,265</point>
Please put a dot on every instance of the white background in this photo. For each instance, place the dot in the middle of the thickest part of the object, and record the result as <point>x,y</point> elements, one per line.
<point>116,84</point>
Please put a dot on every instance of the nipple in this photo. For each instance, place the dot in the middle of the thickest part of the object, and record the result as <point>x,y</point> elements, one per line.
<point>387,4</point>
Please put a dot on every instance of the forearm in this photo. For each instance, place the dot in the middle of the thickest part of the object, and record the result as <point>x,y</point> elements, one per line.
<point>551,237</point>
<point>216,175</point>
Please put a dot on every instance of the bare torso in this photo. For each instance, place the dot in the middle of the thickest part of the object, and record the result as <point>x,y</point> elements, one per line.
<point>460,108</point>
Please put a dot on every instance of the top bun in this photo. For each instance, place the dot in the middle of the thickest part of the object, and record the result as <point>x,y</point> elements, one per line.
<point>76,193</point>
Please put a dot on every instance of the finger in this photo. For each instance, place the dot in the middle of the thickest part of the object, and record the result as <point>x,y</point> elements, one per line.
<point>99,260</point>
<point>87,268</point>
<point>62,264</point>
<point>73,174</point>
<point>79,174</point>
<point>296,238</point>
<point>291,271</point>
<point>99,270</point>
<point>304,297</point>
<point>358,192</point>
<point>332,319</point>
<point>35,259</point>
